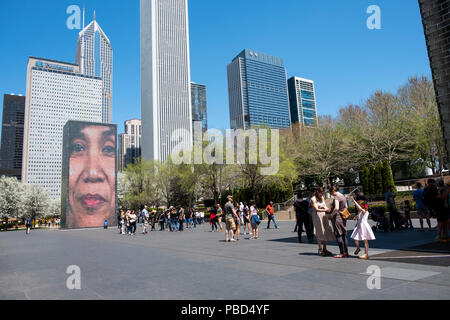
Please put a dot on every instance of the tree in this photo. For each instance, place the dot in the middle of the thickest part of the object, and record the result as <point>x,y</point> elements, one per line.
<point>36,202</point>
<point>372,189</point>
<point>379,179</point>
<point>390,133</point>
<point>11,198</point>
<point>418,95</point>
<point>141,187</point>
<point>365,176</point>
<point>388,178</point>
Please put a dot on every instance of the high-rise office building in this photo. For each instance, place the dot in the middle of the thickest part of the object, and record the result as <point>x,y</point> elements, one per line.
<point>257,91</point>
<point>95,58</point>
<point>165,78</point>
<point>436,24</point>
<point>199,108</point>
<point>56,92</point>
<point>130,143</point>
<point>12,135</point>
<point>302,101</point>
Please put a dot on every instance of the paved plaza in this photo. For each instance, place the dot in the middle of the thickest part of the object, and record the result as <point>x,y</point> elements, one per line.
<point>201,265</point>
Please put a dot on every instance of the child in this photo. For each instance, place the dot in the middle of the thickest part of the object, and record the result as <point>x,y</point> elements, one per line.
<point>363,231</point>
<point>407,211</point>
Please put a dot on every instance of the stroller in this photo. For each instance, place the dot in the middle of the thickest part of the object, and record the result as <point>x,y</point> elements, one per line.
<point>379,217</point>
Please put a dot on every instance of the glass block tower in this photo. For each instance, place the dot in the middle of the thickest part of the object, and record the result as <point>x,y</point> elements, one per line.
<point>302,100</point>
<point>95,58</point>
<point>257,91</point>
<point>165,78</point>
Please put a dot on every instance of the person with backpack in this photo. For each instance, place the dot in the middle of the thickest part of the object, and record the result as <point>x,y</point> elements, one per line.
<point>255,220</point>
<point>246,219</point>
<point>303,219</point>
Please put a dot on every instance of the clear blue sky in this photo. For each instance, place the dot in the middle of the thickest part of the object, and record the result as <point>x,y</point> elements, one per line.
<point>325,40</point>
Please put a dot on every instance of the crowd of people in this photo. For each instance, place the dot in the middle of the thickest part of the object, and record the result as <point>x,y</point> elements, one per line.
<point>175,219</point>
<point>314,216</point>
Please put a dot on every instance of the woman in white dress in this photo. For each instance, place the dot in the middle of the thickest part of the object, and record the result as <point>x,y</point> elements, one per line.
<point>322,228</point>
<point>363,231</point>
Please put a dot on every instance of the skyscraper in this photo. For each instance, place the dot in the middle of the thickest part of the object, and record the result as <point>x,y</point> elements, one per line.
<point>436,24</point>
<point>12,135</point>
<point>56,92</point>
<point>95,58</point>
<point>199,108</point>
<point>302,101</point>
<point>257,91</point>
<point>165,78</point>
<point>130,143</point>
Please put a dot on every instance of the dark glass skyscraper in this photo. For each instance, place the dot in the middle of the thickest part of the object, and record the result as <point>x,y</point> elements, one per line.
<point>12,135</point>
<point>436,24</point>
<point>302,100</point>
<point>199,108</point>
<point>257,91</point>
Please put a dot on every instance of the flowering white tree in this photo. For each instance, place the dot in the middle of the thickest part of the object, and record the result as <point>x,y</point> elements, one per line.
<point>12,196</point>
<point>36,202</point>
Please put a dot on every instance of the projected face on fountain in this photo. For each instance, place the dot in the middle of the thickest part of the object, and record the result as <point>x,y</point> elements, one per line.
<point>92,175</point>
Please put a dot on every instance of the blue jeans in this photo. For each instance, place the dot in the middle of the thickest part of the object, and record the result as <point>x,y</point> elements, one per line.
<point>272,217</point>
<point>195,222</point>
<point>175,225</point>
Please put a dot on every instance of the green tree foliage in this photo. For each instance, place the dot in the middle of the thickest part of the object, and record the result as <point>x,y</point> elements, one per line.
<point>379,188</point>
<point>388,178</point>
<point>372,188</point>
<point>364,177</point>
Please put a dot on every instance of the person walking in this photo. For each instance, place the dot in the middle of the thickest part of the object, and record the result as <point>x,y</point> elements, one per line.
<point>132,219</point>
<point>202,217</point>
<point>213,220</point>
<point>237,221</point>
<point>28,225</point>
<point>246,219</point>
<point>362,231</point>
<point>442,207</point>
<point>174,220</point>
<point>321,222</point>
<point>230,225</point>
<point>303,218</point>
<point>271,215</point>
<point>255,220</point>
<point>162,220</point>
<point>168,220</point>
<point>181,218</point>
<point>421,208</point>
<point>219,217</point>
<point>339,223</point>
<point>392,208</point>
<point>145,220</point>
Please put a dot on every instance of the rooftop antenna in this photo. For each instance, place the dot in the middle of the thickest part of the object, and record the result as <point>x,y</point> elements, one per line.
<point>94,14</point>
<point>84,9</point>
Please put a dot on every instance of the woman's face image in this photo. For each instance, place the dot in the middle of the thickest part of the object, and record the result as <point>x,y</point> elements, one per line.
<point>92,176</point>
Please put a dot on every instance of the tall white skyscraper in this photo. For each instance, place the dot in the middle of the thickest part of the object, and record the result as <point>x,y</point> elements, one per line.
<point>165,78</point>
<point>95,58</point>
<point>56,92</point>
